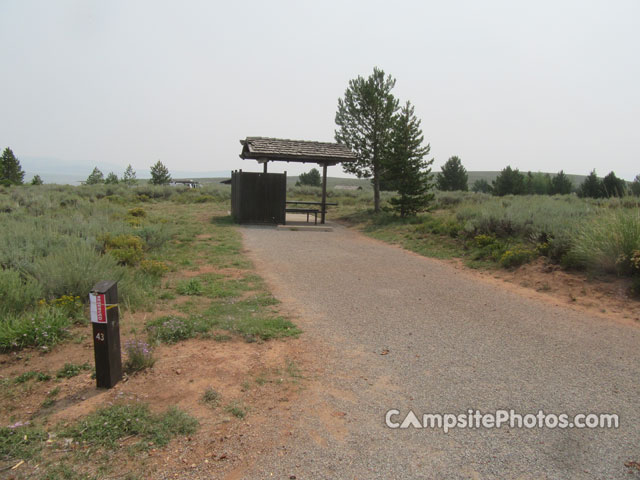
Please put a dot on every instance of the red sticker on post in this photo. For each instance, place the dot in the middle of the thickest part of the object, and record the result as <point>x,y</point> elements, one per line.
<point>98,308</point>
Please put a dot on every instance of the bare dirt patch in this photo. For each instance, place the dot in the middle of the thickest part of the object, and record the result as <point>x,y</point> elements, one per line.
<point>607,297</point>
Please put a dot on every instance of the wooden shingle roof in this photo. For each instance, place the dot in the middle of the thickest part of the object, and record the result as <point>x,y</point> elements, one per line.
<point>263,148</point>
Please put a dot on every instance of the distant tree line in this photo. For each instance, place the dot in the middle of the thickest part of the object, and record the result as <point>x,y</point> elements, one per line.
<point>513,182</point>
<point>159,176</point>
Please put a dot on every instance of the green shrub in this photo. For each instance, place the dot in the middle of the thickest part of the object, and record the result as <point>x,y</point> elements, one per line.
<point>154,267</point>
<point>44,326</point>
<point>127,249</point>
<point>139,356</point>
<point>70,305</point>
<point>516,256</point>
<point>17,294</point>
<point>484,240</point>
<point>171,329</point>
<point>154,236</point>
<point>439,226</point>
<point>74,269</point>
<point>137,212</point>
<point>634,261</point>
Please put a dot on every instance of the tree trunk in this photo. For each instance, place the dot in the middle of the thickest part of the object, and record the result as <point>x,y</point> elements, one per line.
<point>376,193</point>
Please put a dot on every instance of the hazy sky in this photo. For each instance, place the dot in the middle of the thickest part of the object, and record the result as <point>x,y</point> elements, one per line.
<point>540,85</point>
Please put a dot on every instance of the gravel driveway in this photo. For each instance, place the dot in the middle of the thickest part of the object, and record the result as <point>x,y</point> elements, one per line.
<point>392,330</point>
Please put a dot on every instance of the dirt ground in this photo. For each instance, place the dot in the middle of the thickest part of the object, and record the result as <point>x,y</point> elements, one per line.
<point>605,296</point>
<point>252,373</point>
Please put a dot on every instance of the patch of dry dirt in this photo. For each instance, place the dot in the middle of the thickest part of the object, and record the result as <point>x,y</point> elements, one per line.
<point>605,296</point>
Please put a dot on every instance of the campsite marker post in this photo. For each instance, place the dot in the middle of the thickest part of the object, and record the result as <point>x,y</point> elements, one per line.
<point>105,319</point>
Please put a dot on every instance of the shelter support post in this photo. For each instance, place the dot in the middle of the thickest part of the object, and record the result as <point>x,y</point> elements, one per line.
<point>324,193</point>
<point>265,167</point>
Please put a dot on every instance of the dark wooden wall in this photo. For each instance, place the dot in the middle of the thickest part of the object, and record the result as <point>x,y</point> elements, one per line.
<point>258,197</point>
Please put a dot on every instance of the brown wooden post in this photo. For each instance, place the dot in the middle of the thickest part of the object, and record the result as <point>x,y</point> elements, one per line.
<point>105,320</point>
<point>324,192</point>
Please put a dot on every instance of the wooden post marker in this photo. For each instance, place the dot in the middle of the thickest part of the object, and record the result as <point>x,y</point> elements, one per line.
<point>105,318</point>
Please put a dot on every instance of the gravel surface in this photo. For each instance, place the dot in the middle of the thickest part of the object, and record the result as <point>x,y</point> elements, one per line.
<point>394,330</point>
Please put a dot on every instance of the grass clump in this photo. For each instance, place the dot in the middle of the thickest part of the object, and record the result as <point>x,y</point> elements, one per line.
<point>237,409</point>
<point>42,327</point>
<point>211,397</point>
<point>139,356</point>
<point>70,370</point>
<point>610,244</point>
<point>30,375</point>
<point>190,287</point>
<point>21,441</point>
<point>51,398</point>
<point>106,426</point>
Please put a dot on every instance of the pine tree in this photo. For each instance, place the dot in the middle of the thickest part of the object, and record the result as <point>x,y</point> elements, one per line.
<point>537,183</point>
<point>365,119</point>
<point>614,186</point>
<point>453,176</point>
<point>560,184</point>
<point>591,187</point>
<point>481,186</point>
<point>11,172</point>
<point>509,182</point>
<point>312,178</point>
<point>129,177</point>
<point>95,177</point>
<point>406,167</point>
<point>635,186</point>
<point>111,179</point>
<point>36,180</point>
<point>160,174</point>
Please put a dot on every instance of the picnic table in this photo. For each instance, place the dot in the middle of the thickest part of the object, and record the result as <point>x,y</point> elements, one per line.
<point>308,208</point>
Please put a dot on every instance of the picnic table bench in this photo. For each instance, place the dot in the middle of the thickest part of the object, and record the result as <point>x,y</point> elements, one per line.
<point>308,207</point>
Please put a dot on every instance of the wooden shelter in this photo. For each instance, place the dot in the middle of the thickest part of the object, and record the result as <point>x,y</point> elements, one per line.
<point>265,150</point>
